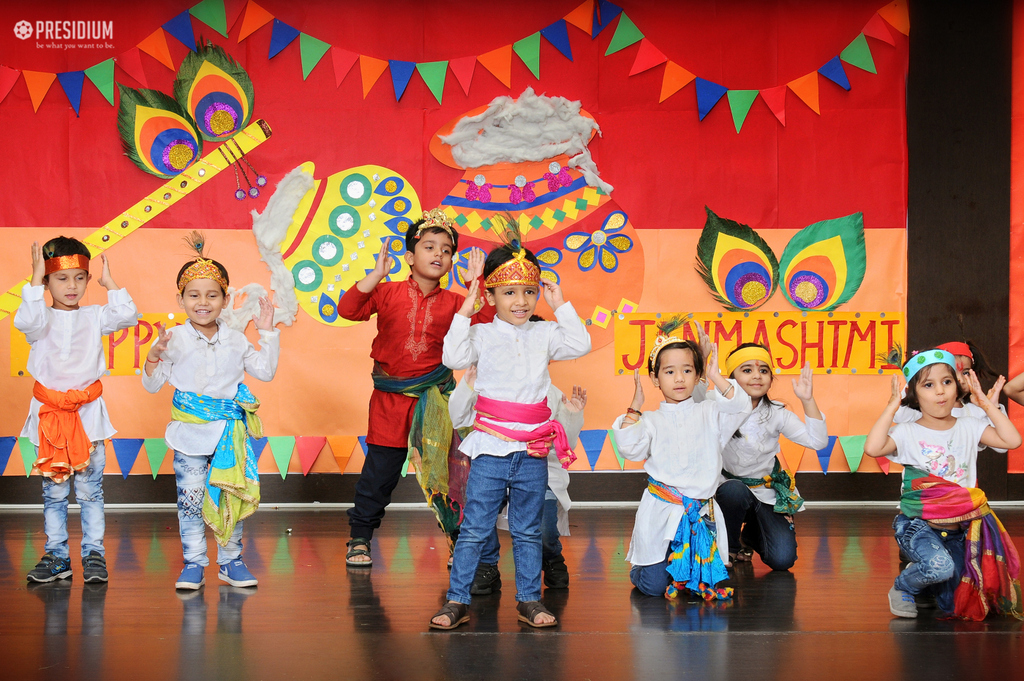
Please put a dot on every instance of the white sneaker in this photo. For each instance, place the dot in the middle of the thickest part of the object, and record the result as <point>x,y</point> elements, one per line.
<point>902,603</point>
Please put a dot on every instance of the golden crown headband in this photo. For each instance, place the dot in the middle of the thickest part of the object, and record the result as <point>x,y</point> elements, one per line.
<point>666,335</point>
<point>436,218</point>
<point>67,262</point>
<point>518,271</point>
<point>201,268</point>
<point>739,357</point>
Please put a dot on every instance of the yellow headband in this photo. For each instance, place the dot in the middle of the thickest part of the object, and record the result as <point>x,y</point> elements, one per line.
<point>437,219</point>
<point>516,272</point>
<point>201,269</point>
<point>66,262</point>
<point>736,359</point>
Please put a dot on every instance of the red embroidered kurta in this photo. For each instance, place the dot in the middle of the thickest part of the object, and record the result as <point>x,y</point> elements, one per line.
<point>410,333</point>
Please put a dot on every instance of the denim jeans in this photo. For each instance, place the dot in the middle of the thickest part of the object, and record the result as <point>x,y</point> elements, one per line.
<point>190,477</point>
<point>768,533</point>
<point>651,579</point>
<point>936,558</point>
<point>551,547</point>
<point>522,479</point>
<point>89,494</point>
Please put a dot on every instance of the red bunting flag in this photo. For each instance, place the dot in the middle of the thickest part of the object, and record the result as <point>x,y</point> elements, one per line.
<point>343,61</point>
<point>309,449</point>
<point>8,77</point>
<point>775,98</point>
<point>647,57</point>
<point>131,63</point>
<point>463,68</point>
<point>878,29</point>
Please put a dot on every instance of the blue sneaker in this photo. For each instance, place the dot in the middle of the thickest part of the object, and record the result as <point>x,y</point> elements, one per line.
<point>192,577</point>
<point>50,568</point>
<point>236,574</point>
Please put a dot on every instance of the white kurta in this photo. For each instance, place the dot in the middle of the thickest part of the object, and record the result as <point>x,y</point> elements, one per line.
<point>460,406</point>
<point>214,368</point>
<point>512,365</point>
<point>680,445</point>
<point>66,351</point>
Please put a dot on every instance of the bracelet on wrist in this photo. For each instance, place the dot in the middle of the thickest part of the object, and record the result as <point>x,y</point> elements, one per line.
<point>153,361</point>
<point>631,410</point>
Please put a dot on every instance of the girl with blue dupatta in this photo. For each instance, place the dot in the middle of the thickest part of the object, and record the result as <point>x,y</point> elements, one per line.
<point>213,416</point>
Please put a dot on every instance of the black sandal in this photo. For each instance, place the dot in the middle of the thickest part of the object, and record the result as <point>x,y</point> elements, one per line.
<point>457,614</point>
<point>354,550</point>
<point>528,611</point>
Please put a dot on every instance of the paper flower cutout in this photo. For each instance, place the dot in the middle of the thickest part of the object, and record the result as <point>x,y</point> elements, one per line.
<point>548,258</point>
<point>602,245</point>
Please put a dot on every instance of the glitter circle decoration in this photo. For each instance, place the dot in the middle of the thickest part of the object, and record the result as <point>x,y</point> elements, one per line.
<point>355,189</point>
<point>344,221</point>
<point>327,250</point>
<point>807,289</point>
<point>308,275</point>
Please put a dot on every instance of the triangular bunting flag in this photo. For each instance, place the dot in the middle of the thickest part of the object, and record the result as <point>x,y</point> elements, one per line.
<point>499,63</point>
<point>156,451</point>
<point>775,98</point>
<point>370,70</point>
<point>281,448</point>
<point>739,104</point>
<point>254,19</point>
<point>38,84</point>
<point>463,68</point>
<point>233,10</point>
<point>258,446</point>
<point>626,33</point>
<point>8,77</point>
<point>131,63</point>
<point>606,11</point>
<point>615,448</point>
<point>312,50</point>
<point>806,88</point>
<point>281,37</point>
<point>401,74</point>
<point>362,444</point>
<point>674,80</point>
<point>834,71</point>
<point>583,17</point>
<point>883,463</point>
<point>102,76</point>
<point>341,447</point>
<point>879,30</point>
<point>708,94</point>
<point>528,50</point>
<point>181,28</point>
<point>155,45</point>
<point>858,54</point>
<point>343,61</point>
<point>647,57</point>
<point>28,454</point>
<point>825,453</point>
<point>853,448</point>
<point>433,74</point>
<point>309,449</point>
<point>6,447</point>
<point>213,14</point>
<point>72,83</point>
<point>593,442</point>
<point>558,35</point>
<point>897,15</point>
<point>126,449</point>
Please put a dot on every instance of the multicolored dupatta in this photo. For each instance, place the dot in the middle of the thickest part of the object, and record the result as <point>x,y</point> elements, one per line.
<point>991,578</point>
<point>786,498</point>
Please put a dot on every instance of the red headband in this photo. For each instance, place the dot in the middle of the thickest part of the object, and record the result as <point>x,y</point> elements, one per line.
<point>67,262</point>
<point>957,348</point>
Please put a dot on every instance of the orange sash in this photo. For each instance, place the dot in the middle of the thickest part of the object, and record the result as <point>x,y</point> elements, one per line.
<point>64,446</point>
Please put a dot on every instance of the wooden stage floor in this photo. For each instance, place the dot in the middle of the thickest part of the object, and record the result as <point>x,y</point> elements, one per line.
<point>311,618</point>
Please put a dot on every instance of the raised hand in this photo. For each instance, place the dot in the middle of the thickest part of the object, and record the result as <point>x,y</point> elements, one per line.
<point>897,391</point>
<point>156,350</point>
<point>552,294</point>
<point>711,368</point>
<point>704,340</point>
<point>475,266</point>
<point>469,304</point>
<point>578,399</point>
<point>993,393</point>
<point>105,280</point>
<point>980,398</point>
<point>38,264</point>
<point>384,261</point>
<point>264,321</point>
<point>803,388</point>
<point>638,392</point>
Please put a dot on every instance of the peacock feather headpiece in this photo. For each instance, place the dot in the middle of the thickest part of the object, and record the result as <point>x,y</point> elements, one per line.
<point>201,267</point>
<point>518,271</point>
<point>667,334</point>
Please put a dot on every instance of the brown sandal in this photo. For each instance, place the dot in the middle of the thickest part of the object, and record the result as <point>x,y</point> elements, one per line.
<point>528,611</point>
<point>457,614</point>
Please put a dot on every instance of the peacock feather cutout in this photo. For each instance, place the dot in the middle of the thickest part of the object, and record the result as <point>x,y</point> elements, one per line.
<point>737,265</point>
<point>156,133</point>
<point>216,92</point>
<point>823,264</point>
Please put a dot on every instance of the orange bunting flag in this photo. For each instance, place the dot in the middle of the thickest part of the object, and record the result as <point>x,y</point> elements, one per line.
<point>582,17</point>
<point>674,80</point>
<point>647,57</point>
<point>806,88</point>
<point>38,83</point>
<point>156,47</point>
<point>775,98</point>
<point>370,69</point>
<point>897,15</point>
<point>499,63</point>
<point>255,18</point>
<point>342,446</point>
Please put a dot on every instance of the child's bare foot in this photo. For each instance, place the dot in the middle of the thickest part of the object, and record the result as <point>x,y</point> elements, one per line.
<point>450,616</point>
<point>359,552</point>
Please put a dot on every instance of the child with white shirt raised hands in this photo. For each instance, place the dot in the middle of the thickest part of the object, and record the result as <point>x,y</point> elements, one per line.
<point>514,429</point>
<point>213,413</point>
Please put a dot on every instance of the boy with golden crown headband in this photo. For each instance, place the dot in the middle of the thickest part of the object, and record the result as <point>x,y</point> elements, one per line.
<point>408,415</point>
<point>213,416</point>
<point>67,419</point>
<point>513,430</point>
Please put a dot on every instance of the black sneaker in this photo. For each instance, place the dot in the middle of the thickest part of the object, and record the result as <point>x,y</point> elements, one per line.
<point>94,567</point>
<point>50,568</point>
<point>556,575</point>
<point>486,581</point>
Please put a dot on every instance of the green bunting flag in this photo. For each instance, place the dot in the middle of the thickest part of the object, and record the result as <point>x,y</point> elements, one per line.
<point>102,76</point>
<point>282,447</point>
<point>626,33</point>
<point>740,102</point>
<point>211,13</point>
<point>528,50</point>
<point>156,450</point>
<point>312,51</point>
<point>28,454</point>
<point>853,449</point>
<point>615,448</point>
<point>433,74</point>
<point>858,54</point>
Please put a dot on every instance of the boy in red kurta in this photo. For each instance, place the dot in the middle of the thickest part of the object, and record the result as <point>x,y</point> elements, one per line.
<point>413,317</point>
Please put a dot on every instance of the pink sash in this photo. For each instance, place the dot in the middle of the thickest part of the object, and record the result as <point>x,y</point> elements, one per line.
<point>539,440</point>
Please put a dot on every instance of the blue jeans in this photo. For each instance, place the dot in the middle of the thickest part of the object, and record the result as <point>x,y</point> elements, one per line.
<point>551,547</point>
<point>936,558</point>
<point>89,494</point>
<point>651,579</point>
<point>769,533</point>
<point>522,479</point>
<point>190,477</point>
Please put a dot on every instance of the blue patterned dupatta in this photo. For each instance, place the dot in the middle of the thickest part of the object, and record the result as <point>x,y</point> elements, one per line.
<point>232,483</point>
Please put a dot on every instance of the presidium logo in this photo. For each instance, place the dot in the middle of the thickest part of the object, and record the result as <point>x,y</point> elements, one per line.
<point>86,34</point>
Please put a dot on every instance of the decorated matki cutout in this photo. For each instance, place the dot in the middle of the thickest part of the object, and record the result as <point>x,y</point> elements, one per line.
<point>337,230</point>
<point>823,264</point>
<point>737,265</point>
<point>215,91</point>
<point>157,134</point>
